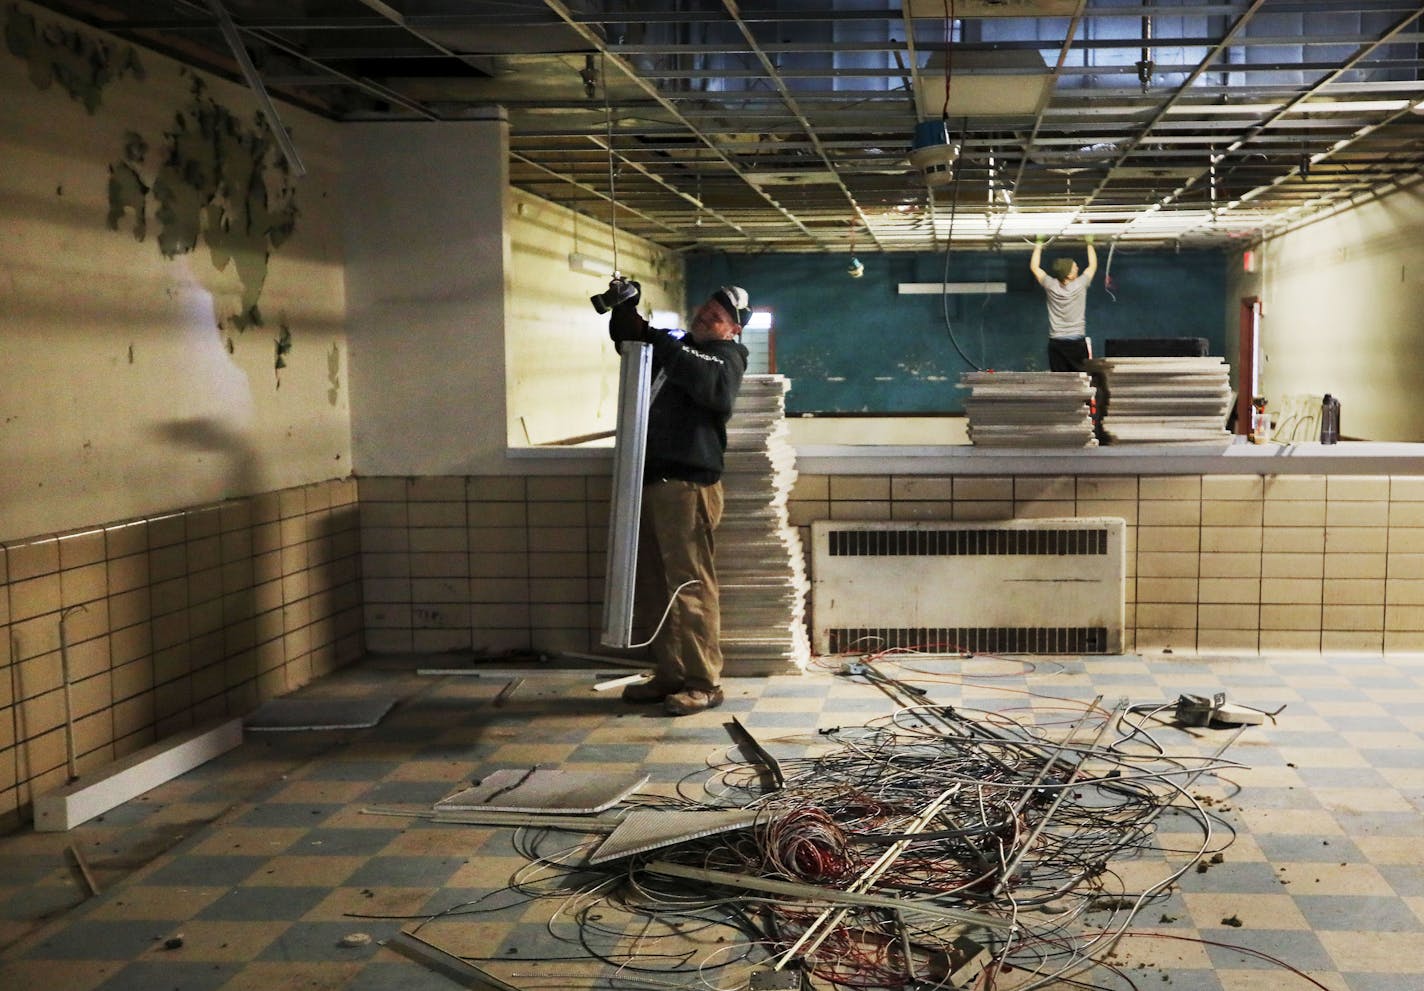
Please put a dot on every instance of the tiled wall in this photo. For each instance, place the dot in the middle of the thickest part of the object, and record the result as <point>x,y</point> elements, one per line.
<point>489,563</point>
<point>166,622</point>
<point>1215,563</point>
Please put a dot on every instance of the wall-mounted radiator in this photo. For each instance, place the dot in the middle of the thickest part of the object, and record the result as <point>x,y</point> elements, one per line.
<point>1041,586</point>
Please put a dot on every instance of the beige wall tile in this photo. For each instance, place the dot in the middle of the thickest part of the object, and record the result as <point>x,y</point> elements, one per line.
<point>813,487</point>
<point>547,514</point>
<point>384,514</point>
<point>1404,592</point>
<point>1107,488</point>
<point>1047,488</point>
<point>843,510</point>
<point>1289,617</point>
<point>1151,639</point>
<point>1167,564</point>
<point>126,538</point>
<point>1355,565</point>
<point>167,530</point>
<point>492,539</point>
<point>1180,539</point>
<point>558,565</point>
<point>1233,641</point>
<point>1410,641</point>
<point>377,540</point>
<point>1352,617</point>
<point>1310,488</point>
<point>79,549</point>
<point>1168,512</point>
<point>1231,539</point>
<point>455,565</point>
<point>1407,488</point>
<point>506,589</point>
<point>1291,591</point>
<point>1229,590</point>
<point>1111,508</point>
<point>1293,540</point>
<point>423,590</point>
<point>438,540</point>
<point>1289,640</point>
<point>236,514</point>
<point>1354,591</point>
<point>1230,565</point>
<point>1233,487</point>
<point>1405,566</point>
<point>130,645</point>
<point>558,539</point>
<point>556,488</point>
<point>1225,512</point>
<point>856,488</point>
<point>35,597</point>
<point>1166,590</point>
<point>928,510</point>
<point>1043,509</point>
<point>1352,642</point>
<point>1357,514</point>
<point>435,640</point>
<point>1219,616</point>
<point>496,487</point>
<point>1166,615</point>
<point>982,511</point>
<point>482,514</point>
<point>1404,616</point>
<point>986,488</point>
<point>1405,540</point>
<point>1406,514</point>
<point>916,487</point>
<point>441,616</point>
<point>499,565</point>
<point>31,559</point>
<point>499,616</point>
<point>1293,513</point>
<point>1169,487</point>
<point>1356,540</point>
<point>436,488</point>
<point>437,514</point>
<point>1357,487</point>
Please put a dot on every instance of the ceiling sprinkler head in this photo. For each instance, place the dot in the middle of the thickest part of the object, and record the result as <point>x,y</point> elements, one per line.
<point>855,269</point>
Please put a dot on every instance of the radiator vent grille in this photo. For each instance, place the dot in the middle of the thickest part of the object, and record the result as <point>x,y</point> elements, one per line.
<point>967,542</point>
<point>1014,586</point>
<point>974,639</point>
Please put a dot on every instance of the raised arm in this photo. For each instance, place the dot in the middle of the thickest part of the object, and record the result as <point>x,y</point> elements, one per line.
<point>1033,263</point>
<point>1092,268</point>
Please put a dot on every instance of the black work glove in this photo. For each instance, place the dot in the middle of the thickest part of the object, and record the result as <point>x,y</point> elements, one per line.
<point>627,324</point>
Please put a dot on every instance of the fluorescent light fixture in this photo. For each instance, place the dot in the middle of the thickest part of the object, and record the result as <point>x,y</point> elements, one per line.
<point>936,288</point>
<point>588,265</point>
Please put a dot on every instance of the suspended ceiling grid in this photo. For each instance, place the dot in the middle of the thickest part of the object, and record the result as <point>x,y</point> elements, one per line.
<point>785,126</point>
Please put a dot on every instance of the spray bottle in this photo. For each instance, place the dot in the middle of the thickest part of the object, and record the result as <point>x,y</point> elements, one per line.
<point>1329,419</point>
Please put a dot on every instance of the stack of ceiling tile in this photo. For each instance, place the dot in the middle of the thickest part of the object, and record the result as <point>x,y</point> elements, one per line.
<point>1164,400</point>
<point>760,565</point>
<point>1029,409</point>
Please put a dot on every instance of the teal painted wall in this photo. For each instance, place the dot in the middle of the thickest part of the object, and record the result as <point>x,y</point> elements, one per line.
<point>858,346</point>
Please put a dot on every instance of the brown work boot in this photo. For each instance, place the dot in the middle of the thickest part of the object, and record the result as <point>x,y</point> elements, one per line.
<point>646,692</point>
<point>690,700</point>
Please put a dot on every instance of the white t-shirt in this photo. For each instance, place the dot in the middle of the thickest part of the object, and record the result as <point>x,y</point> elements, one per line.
<point>1067,306</point>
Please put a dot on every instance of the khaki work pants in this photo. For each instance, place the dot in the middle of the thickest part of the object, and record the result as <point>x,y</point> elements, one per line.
<point>675,545</point>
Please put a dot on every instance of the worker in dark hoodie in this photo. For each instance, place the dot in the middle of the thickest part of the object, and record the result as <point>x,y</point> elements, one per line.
<point>696,377</point>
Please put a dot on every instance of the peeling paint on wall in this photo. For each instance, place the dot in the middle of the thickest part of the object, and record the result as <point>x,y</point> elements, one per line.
<point>82,66</point>
<point>220,183</point>
<point>333,374</point>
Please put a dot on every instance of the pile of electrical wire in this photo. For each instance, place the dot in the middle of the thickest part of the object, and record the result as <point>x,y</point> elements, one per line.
<point>937,847</point>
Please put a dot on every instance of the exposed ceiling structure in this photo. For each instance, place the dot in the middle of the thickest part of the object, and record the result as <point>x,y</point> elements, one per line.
<point>788,125</point>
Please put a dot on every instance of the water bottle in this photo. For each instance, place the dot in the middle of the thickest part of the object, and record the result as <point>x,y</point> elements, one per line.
<point>1329,419</point>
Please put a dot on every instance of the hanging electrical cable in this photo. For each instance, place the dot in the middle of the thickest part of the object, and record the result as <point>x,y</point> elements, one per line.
<point>612,169</point>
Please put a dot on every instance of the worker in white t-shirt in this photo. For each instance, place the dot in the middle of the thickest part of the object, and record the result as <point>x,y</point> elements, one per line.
<point>1066,290</point>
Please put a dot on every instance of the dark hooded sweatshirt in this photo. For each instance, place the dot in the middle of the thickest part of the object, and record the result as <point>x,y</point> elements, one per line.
<point>687,422</point>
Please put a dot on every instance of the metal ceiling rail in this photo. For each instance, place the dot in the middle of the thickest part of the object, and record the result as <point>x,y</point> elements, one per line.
<point>558,7</point>
<point>603,145</point>
<point>776,80</point>
<point>1176,95</point>
<point>592,190</point>
<point>1252,134</point>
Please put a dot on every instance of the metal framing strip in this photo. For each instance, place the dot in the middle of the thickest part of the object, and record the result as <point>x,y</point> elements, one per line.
<point>254,81</point>
<point>442,962</point>
<point>810,892</point>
